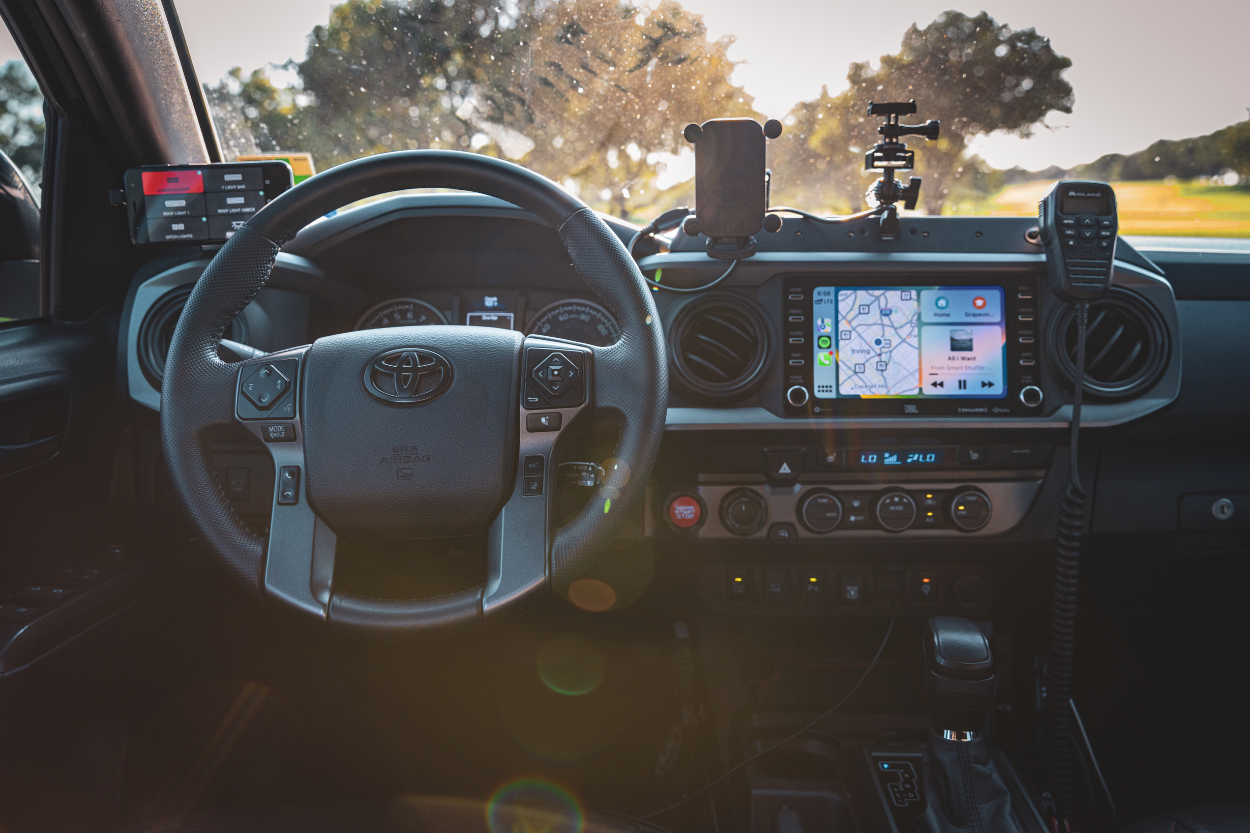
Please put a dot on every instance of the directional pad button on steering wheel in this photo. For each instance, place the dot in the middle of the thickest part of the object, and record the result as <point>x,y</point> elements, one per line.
<point>266,386</point>
<point>555,374</point>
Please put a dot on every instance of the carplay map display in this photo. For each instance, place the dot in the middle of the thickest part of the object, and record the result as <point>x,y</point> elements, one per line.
<point>909,342</point>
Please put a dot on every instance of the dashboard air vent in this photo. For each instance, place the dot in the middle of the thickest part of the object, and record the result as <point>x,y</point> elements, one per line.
<point>1126,347</point>
<point>719,346</point>
<point>157,330</point>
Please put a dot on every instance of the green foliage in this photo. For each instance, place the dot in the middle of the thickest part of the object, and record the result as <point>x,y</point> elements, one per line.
<point>972,73</point>
<point>1203,156</point>
<point>583,91</point>
<point>21,119</point>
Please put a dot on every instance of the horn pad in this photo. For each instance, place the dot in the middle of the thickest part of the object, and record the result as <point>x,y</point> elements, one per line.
<point>411,432</point>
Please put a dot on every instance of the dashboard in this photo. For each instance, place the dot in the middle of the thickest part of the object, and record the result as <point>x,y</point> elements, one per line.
<point>901,405</point>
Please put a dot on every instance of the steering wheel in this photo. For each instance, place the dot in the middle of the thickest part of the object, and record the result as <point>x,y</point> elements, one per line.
<point>413,432</point>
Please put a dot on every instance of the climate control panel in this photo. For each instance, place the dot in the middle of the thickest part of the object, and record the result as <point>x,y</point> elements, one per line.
<point>799,511</point>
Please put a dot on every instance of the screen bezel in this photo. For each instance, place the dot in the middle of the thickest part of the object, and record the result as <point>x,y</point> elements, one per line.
<point>1014,286</point>
<point>277,176</point>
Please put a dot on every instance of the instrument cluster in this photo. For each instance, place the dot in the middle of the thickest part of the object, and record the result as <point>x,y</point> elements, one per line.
<point>575,319</point>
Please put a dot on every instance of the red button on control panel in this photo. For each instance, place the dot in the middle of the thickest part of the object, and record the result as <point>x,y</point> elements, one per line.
<point>684,512</point>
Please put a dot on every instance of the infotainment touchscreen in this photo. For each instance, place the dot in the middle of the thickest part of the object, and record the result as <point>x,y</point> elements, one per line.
<point>954,344</point>
<point>873,342</point>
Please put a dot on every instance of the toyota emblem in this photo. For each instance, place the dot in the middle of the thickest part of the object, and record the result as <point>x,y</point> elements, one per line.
<point>408,375</point>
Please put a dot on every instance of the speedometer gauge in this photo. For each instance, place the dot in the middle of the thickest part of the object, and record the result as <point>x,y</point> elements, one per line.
<point>400,312</point>
<point>577,321</point>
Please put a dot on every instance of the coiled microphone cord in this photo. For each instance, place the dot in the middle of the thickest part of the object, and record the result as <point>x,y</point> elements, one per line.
<point>1062,656</point>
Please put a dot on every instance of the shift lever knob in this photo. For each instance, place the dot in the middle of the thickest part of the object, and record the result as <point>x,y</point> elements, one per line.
<point>959,676</point>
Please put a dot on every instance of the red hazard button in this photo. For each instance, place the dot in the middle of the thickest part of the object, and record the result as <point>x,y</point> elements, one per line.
<point>685,512</point>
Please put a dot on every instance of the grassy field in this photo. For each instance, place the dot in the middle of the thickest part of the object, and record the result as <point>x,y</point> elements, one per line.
<point>1158,208</point>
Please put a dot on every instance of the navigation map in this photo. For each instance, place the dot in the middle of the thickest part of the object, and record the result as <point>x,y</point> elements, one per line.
<point>878,342</point>
<point>909,341</point>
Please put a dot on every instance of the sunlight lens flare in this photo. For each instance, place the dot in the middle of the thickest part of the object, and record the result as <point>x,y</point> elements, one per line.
<point>532,805</point>
<point>571,665</point>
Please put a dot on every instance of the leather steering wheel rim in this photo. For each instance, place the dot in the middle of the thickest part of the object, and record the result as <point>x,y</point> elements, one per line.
<point>199,389</point>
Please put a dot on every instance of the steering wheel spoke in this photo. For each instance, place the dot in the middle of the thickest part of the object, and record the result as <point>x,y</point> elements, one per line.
<point>557,387</point>
<point>299,558</point>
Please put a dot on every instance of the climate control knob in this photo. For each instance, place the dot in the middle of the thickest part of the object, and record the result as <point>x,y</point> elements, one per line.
<point>743,512</point>
<point>896,511</point>
<point>970,510</point>
<point>820,511</point>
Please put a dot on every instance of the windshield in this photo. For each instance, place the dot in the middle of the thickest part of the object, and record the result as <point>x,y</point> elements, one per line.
<point>595,95</point>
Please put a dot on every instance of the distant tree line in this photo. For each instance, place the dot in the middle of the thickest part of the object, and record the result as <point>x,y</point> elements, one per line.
<point>1215,154</point>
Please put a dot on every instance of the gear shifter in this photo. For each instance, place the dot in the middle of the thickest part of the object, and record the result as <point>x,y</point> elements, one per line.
<point>959,677</point>
<point>963,788</point>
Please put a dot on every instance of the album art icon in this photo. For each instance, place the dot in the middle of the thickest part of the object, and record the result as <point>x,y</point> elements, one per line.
<point>961,341</point>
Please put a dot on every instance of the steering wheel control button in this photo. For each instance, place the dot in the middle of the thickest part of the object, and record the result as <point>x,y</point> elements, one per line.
<point>278,432</point>
<point>783,532</point>
<point>266,386</point>
<point>743,512</point>
<point>533,485</point>
<point>288,485</point>
<point>784,466</point>
<point>820,512</point>
<point>264,389</point>
<point>896,511</point>
<point>556,373</point>
<point>535,423</point>
<point>685,512</point>
<point>970,510</point>
<point>555,378</point>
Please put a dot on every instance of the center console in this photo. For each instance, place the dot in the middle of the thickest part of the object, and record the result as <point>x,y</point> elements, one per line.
<point>870,491</point>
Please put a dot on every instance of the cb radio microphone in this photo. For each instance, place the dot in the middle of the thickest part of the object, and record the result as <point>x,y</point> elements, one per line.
<point>1078,224</point>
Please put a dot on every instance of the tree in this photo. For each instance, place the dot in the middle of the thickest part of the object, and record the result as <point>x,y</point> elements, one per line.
<point>975,75</point>
<point>612,89</point>
<point>587,92</point>
<point>21,119</point>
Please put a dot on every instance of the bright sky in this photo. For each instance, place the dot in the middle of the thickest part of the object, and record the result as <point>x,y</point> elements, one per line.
<point>1142,70</point>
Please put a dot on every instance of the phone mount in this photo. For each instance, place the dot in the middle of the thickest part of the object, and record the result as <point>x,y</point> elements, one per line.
<point>731,192</point>
<point>890,155</point>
